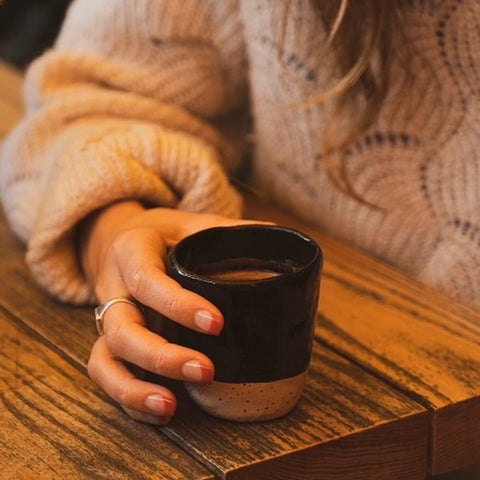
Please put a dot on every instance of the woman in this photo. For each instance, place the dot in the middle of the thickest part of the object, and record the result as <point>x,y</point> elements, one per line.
<point>363,121</point>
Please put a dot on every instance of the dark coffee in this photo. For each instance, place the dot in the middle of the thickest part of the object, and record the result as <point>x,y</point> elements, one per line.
<point>242,275</point>
<point>243,270</point>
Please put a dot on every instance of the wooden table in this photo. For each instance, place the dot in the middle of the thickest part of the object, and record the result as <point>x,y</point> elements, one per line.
<point>393,392</point>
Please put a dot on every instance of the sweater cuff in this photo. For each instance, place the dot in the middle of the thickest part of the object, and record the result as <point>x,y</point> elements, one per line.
<point>151,164</point>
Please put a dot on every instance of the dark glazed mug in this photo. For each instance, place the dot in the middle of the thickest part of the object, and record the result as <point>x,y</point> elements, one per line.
<point>265,280</point>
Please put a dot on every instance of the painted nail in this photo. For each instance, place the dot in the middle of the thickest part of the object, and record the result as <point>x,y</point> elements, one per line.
<point>208,322</point>
<point>197,372</point>
<point>160,405</point>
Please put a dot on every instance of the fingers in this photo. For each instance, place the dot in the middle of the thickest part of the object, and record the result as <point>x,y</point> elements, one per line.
<point>147,417</point>
<point>127,338</point>
<point>178,224</point>
<point>133,266</point>
<point>143,401</point>
<point>138,257</point>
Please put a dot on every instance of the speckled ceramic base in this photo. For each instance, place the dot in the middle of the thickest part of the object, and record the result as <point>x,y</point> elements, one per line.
<point>248,402</point>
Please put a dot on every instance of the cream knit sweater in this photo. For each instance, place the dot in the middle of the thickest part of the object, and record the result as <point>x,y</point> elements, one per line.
<point>124,107</point>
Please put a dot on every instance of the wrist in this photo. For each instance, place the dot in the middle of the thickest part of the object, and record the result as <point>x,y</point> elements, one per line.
<point>99,229</point>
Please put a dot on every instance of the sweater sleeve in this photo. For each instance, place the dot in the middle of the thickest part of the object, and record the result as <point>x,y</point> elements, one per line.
<point>121,108</point>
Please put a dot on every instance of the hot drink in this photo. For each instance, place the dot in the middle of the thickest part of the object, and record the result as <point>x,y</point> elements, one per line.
<point>265,281</point>
<point>242,275</point>
<point>242,270</point>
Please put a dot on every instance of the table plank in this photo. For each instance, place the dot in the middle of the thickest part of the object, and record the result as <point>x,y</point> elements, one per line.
<point>417,339</point>
<point>70,327</point>
<point>56,425</point>
<point>347,425</point>
<point>343,408</point>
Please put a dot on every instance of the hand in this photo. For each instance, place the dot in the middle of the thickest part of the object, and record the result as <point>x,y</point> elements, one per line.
<point>122,249</point>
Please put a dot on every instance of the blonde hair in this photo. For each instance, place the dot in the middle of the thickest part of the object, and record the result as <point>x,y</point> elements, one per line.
<point>361,39</point>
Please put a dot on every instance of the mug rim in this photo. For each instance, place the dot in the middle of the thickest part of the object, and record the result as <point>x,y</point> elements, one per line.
<point>185,272</point>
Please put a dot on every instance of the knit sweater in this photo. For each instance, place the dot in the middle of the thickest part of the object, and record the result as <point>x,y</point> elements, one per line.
<point>132,100</point>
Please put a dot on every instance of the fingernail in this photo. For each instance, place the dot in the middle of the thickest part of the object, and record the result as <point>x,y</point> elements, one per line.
<point>197,372</point>
<point>208,322</point>
<point>160,405</point>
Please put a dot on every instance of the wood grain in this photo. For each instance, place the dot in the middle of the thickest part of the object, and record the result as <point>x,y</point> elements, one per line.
<point>347,425</point>
<point>423,342</point>
<point>342,401</point>
<point>54,423</point>
<point>66,329</point>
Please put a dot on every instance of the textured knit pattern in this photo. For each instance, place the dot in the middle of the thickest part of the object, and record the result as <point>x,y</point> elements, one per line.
<point>123,107</point>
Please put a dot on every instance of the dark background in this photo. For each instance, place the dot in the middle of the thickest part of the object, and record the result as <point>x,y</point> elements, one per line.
<point>28,27</point>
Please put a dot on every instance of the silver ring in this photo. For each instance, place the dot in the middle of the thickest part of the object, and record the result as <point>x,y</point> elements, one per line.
<point>102,309</point>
